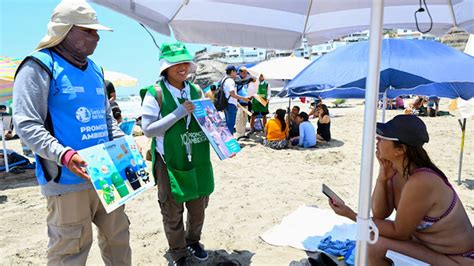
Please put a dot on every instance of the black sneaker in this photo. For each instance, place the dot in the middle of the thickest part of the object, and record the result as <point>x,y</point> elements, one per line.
<point>198,252</point>
<point>180,262</point>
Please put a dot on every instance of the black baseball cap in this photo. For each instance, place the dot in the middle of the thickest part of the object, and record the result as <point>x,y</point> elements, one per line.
<point>407,129</point>
<point>230,68</point>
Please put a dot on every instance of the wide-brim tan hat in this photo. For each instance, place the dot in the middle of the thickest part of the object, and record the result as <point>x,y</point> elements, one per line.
<point>69,13</point>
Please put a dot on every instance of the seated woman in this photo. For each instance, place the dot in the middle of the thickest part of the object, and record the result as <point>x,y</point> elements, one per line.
<point>324,123</point>
<point>431,223</point>
<point>417,107</point>
<point>276,131</point>
<point>293,117</point>
<point>307,138</point>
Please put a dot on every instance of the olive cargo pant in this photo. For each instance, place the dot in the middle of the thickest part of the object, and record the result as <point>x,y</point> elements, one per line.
<point>70,218</point>
<point>178,237</point>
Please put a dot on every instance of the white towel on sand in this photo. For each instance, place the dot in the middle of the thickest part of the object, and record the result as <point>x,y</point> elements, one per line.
<point>307,226</point>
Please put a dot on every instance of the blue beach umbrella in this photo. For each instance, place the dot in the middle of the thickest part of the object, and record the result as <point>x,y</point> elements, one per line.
<point>407,67</point>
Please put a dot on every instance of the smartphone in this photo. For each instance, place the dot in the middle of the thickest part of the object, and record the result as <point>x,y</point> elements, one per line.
<point>330,194</point>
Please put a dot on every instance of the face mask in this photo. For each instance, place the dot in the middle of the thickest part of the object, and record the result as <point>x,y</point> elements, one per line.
<point>79,44</point>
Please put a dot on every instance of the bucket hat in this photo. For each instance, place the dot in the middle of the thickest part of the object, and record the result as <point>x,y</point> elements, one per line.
<point>173,54</point>
<point>65,15</point>
<point>407,129</point>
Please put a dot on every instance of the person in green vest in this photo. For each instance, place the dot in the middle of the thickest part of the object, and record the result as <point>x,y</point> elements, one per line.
<point>180,152</point>
<point>257,107</point>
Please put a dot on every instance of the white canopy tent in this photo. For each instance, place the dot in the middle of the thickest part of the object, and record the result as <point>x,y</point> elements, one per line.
<point>283,68</point>
<point>282,24</point>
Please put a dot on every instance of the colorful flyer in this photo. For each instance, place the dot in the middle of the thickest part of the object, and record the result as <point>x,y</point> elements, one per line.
<point>117,170</point>
<point>215,129</point>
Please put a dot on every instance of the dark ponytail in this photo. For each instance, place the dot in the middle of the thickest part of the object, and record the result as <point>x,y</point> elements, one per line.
<point>281,116</point>
<point>417,156</point>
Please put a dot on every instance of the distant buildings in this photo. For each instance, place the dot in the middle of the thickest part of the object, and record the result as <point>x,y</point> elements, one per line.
<point>242,55</point>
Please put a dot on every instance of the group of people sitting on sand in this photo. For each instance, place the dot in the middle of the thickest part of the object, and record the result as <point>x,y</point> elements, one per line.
<point>295,129</point>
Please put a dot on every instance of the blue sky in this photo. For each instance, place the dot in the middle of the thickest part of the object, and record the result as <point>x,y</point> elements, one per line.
<point>128,49</point>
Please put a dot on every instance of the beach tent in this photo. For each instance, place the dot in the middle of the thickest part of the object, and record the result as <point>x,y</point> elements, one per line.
<point>282,24</point>
<point>418,67</point>
<point>8,66</point>
<point>120,79</point>
<point>282,68</point>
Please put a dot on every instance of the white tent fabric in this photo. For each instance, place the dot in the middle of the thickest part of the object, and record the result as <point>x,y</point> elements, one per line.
<point>280,68</point>
<point>281,24</point>
<point>470,45</point>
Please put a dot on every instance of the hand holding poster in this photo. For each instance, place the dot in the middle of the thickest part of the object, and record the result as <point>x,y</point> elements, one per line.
<point>215,129</point>
<point>117,170</point>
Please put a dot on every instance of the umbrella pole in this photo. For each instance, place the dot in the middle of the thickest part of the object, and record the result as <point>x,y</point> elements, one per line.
<point>288,117</point>
<point>5,154</point>
<point>363,236</point>
<point>384,105</point>
<point>463,129</point>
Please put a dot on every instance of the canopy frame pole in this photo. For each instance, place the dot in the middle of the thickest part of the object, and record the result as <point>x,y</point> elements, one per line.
<point>183,3</point>
<point>368,143</point>
<point>463,129</point>
<point>451,9</point>
<point>308,13</point>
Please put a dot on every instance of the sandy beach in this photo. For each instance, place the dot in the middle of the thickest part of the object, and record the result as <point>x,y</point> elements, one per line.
<point>254,191</point>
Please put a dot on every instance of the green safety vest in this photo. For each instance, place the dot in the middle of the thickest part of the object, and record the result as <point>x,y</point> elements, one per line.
<point>188,180</point>
<point>263,92</point>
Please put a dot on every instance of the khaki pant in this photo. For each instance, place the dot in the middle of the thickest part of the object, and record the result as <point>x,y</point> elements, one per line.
<point>178,237</point>
<point>241,122</point>
<point>70,218</point>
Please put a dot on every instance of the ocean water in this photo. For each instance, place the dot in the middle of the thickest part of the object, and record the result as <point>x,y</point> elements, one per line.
<point>131,106</point>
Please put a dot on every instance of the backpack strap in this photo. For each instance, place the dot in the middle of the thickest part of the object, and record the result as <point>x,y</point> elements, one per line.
<point>155,91</point>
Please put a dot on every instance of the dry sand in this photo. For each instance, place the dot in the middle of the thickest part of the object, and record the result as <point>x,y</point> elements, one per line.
<point>254,191</point>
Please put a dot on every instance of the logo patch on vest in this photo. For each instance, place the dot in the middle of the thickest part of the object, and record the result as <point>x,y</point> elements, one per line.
<point>83,115</point>
<point>193,138</point>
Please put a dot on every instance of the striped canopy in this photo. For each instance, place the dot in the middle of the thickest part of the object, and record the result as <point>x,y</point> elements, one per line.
<point>8,66</point>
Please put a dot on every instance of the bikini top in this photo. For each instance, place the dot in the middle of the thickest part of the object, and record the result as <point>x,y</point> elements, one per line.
<point>428,221</point>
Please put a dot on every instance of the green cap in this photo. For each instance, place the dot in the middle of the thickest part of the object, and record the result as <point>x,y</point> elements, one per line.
<point>175,52</point>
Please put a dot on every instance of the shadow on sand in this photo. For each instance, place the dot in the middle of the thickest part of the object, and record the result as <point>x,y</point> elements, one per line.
<point>314,255</point>
<point>220,257</point>
<point>3,199</point>
<point>468,183</point>
<point>24,179</point>
<point>257,138</point>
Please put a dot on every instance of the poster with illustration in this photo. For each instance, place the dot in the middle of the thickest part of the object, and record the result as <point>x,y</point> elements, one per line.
<point>215,129</point>
<point>117,170</point>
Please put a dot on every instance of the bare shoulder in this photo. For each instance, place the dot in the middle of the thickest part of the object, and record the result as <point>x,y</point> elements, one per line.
<point>423,181</point>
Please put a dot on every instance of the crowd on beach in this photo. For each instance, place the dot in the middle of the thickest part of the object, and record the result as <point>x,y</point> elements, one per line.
<point>58,82</point>
<point>244,105</point>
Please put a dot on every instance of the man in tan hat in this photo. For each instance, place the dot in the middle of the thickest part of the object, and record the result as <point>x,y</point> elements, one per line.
<point>60,107</point>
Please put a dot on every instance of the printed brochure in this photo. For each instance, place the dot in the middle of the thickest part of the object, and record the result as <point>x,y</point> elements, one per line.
<point>117,170</point>
<point>215,129</point>
<point>260,99</point>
